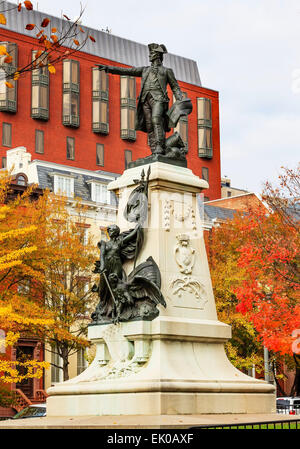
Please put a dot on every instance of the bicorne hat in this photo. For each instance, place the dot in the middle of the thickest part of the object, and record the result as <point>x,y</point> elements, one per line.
<point>180,108</point>
<point>161,48</point>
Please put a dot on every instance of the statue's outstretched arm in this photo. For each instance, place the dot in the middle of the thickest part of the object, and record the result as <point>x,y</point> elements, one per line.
<point>132,234</point>
<point>133,71</point>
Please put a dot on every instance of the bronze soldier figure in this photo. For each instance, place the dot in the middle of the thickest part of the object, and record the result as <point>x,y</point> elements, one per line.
<point>153,101</point>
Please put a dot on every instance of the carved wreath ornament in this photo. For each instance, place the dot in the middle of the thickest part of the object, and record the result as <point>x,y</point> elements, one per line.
<point>185,259</point>
<point>184,254</point>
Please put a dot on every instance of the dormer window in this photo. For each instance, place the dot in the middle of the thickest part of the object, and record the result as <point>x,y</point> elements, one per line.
<point>64,185</point>
<point>99,193</point>
<point>21,179</point>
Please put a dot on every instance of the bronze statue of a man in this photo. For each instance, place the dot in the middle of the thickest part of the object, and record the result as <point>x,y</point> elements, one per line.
<point>153,100</point>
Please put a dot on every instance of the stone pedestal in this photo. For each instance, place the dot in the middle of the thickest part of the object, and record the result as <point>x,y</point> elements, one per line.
<point>175,364</point>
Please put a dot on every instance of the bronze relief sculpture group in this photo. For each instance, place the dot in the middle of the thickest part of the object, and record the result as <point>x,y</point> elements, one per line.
<point>132,297</point>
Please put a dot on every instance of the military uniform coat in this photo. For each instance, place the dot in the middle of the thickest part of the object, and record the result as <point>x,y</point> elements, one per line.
<point>165,76</point>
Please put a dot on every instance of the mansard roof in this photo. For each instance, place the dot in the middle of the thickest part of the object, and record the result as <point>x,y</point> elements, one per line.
<point>107,46</point>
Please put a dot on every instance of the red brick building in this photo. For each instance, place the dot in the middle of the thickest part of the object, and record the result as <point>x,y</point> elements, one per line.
<point>76,118</point>
<point>242,203</point>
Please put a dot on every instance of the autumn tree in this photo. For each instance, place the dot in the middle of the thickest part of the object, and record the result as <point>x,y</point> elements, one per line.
<point>68,253</point>
<point>52,44</point>
<point>256,270</point>
<point>18,251</point>
<point>45,269</point>
<point>244,350</point>
<point>270,294</point>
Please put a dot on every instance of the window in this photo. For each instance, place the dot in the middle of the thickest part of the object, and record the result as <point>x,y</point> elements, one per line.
<point>64,185</point>
<point>56,362</point>
<point>4,162</point>
<point>100,154</point>
<point>204,128</point>
<point>182,126</point>
<point>71,93</point>
<point>40,88</point>
<point>83,232</point>
<point>99,193</point>
<point>228,194</point>
<point>82,287</point>
<point>100,101</point>
<point>39,141</point>
<point>71,148</point>
<point>81,361</point>
<point>205,174</point>
<point>24,287</point>
<point>21,180</point>
<point>85,237</point>
<point>6,134</point>
<point>128,108</point>
<point>8,95</point>
<point>128,158</point>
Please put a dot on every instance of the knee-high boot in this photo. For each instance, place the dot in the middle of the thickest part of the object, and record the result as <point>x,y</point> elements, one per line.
<point>159,136</point>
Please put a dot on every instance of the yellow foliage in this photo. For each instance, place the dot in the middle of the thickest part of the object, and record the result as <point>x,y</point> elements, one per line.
<point>8,265</point>
<point>16,232</point>
<point>3,50</point>
<point>11,338</point>
<point>16,254</point>
<point>51,69</point>
<point>2,19</point>
<point>8,314</point>
<point>16,372</point>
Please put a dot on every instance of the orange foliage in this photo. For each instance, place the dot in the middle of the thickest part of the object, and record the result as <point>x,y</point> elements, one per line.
<point>50,48</point>
<point>28,5</point>
<point>255,264</point>
<point>45,22</point>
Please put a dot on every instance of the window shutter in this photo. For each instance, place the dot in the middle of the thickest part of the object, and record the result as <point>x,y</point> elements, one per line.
<point>128,108</point>
<point>71,93</point>
<point>100,121</point>
<point>204,118</point>
<point>8,95</point>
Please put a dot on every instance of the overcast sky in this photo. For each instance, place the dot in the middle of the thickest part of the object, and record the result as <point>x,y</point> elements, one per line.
<point>248,50</point>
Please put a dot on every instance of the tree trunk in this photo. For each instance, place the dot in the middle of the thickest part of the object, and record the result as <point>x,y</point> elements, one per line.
<point>65,359</point>
<point>295,391</point>
<point>281,391</point>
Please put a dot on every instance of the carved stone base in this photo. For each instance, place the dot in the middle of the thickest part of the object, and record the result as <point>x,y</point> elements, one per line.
<point>175,364</point>
<point>158,403</point>
<point>167,366</point>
